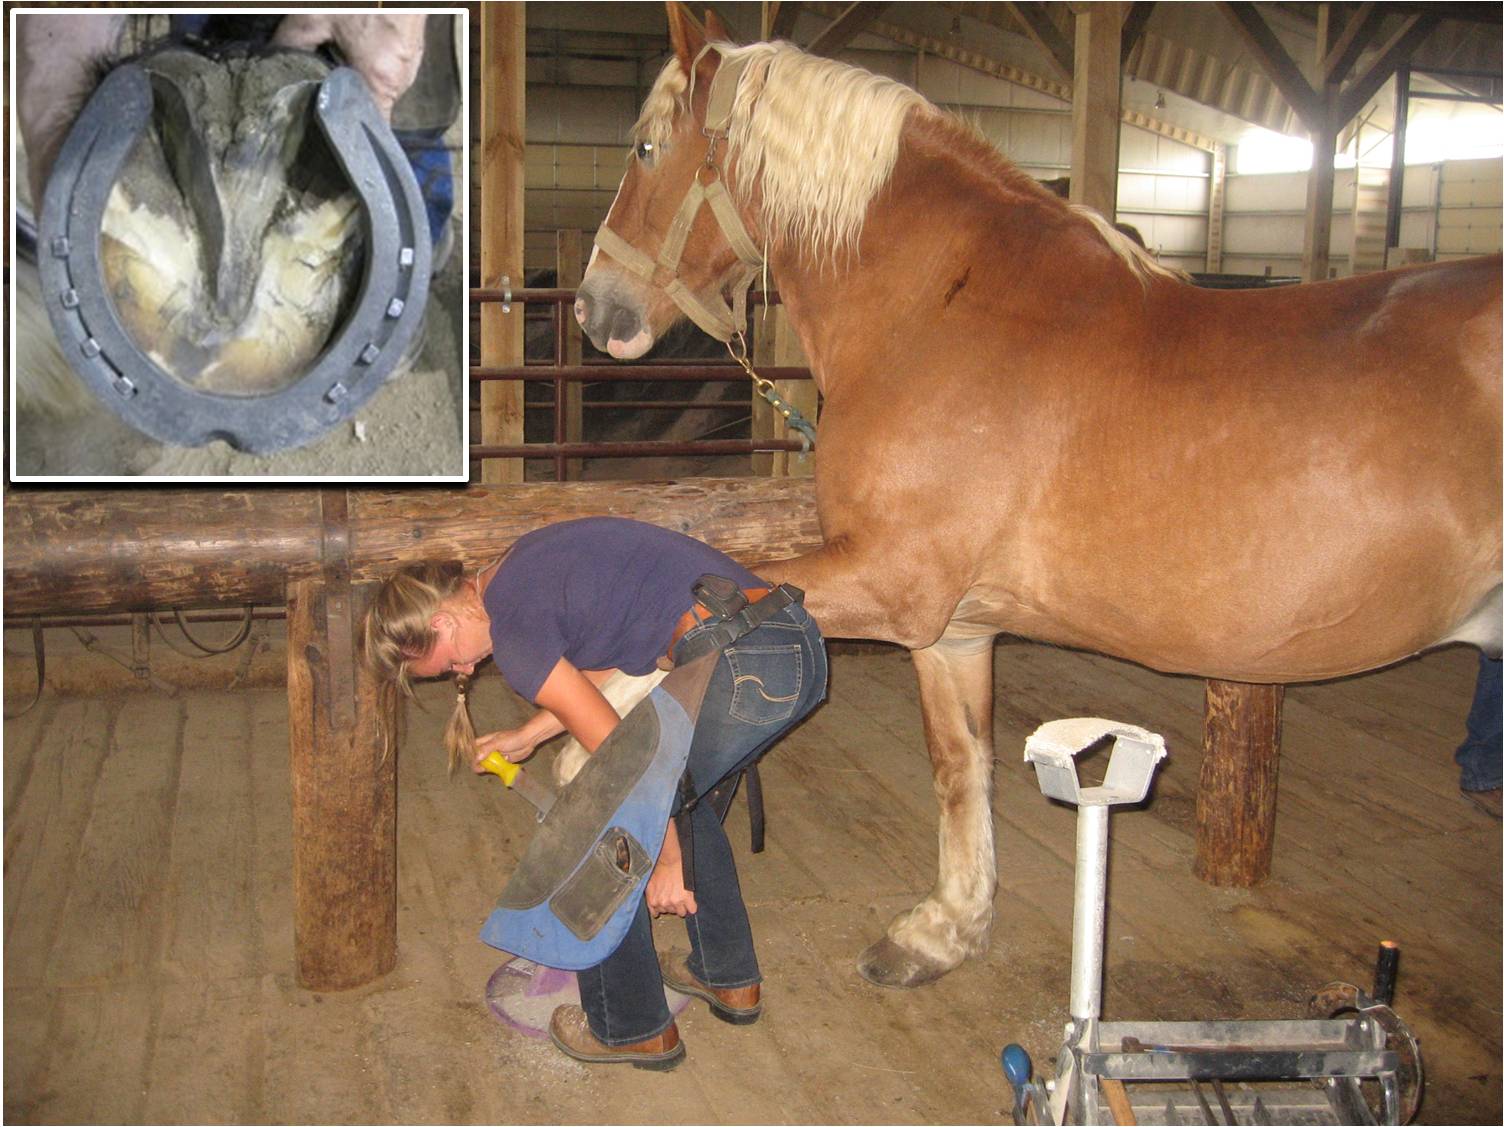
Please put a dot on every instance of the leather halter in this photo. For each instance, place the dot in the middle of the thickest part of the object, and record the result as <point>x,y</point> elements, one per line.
<point>709,312</point>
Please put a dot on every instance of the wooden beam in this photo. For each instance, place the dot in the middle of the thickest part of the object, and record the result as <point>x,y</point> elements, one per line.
<point>1239,777</point>
<point>1274,60</point>
<point>998,68</point>
<point>123,550</point>
<point>845,27</point>
<point>1096,108</point>
<point>1362,27</point>
<point>503,93</point>
<point>1035,19</point>
<point>1134,25</point>
<point>778,18</point>
<point>1400,47</point>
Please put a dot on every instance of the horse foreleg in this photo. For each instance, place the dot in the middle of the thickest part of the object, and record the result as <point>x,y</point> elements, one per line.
<point>951,924</point>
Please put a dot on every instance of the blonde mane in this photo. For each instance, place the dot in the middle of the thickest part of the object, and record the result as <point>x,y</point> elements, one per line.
<point>820,139</point>
<point>816,181</point>
<point>1143,264</point>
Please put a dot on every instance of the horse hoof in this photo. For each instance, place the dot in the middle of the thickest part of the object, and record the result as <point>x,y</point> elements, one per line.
<point>885,963</point>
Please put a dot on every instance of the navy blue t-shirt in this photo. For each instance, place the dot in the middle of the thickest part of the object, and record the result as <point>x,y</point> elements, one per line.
<point>603,592</point>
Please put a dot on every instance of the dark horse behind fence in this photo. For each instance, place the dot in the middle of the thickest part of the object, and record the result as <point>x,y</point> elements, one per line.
<point>1031,428</point>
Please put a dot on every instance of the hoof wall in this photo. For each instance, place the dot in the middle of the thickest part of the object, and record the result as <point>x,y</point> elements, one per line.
<point>885,963</point>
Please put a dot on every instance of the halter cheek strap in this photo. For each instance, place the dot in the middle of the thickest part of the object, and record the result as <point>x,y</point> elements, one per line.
<point>710,312</point>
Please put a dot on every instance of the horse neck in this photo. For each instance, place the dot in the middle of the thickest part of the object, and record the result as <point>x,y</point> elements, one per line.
<point>952,208</point>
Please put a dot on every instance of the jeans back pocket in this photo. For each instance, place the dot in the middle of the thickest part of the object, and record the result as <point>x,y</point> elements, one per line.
<point>767,682</point>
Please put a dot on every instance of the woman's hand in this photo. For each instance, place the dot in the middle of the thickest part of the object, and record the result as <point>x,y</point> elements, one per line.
<point>666,893</point>
<point>515,745</point>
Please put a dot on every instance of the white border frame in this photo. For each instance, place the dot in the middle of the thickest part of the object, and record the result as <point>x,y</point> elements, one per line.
<point>462,201</point>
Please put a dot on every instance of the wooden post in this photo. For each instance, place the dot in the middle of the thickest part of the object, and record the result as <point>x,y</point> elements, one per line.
<point>1322,121</point>
<point>1239,775</point>
<point>342,728</point>
<point>1096,107</point>
<point>503,86</point>
<point>570,394</point>
<point>1216,196</point>
<point>1316,250</point>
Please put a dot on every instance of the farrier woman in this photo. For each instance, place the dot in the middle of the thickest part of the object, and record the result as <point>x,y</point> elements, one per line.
<point>565,608</point>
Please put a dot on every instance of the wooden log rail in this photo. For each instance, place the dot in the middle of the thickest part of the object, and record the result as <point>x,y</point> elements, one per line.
<point>321,552</point>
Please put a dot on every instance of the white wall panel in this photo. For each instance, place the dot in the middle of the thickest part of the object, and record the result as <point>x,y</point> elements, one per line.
<point>1279,191</point>
<point>581,115</point>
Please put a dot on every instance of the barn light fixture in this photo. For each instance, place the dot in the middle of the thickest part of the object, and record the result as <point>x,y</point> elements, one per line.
<point>1159,100</point>
<point>359,356</point>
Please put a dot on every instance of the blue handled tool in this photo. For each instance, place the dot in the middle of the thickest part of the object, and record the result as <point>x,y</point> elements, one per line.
<point>1019,1070</point>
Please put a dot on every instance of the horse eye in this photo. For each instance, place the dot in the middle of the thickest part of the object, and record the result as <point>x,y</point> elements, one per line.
<point>645,151</point>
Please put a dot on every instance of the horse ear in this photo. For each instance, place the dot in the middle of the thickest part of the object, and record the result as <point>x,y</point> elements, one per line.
<point>715,29</point>
<point>686,34</point>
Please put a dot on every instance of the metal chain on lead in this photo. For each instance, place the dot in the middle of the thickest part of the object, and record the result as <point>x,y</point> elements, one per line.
<point>769,391</point>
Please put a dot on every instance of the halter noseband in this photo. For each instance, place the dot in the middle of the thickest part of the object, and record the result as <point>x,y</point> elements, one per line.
<point>710,313</point>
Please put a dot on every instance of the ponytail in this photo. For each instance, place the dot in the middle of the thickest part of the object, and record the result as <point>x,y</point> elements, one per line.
<point>459,733</point>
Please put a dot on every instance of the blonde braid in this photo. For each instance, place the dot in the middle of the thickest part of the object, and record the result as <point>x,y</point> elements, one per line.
<point>459,733</point>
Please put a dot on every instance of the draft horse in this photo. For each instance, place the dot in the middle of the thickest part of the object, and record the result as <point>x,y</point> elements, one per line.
<point>1030,427</point>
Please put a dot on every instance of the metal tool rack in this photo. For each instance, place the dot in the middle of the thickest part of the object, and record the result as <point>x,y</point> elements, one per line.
<point>1353,1061</point>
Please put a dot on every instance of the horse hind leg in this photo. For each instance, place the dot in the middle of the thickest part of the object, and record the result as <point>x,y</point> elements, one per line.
<point>952,923</point>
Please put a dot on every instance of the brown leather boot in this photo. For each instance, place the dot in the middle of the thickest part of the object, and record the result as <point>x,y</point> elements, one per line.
<point>570,1030</point>
<point>739,1005</point>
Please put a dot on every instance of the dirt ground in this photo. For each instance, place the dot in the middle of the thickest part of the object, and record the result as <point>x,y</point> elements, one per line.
<point>148,934</point>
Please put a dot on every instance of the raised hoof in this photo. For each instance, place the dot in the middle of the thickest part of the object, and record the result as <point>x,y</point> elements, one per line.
<point>885,963</point>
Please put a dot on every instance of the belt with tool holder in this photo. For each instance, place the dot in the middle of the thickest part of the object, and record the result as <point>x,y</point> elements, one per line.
<point>735,613</point>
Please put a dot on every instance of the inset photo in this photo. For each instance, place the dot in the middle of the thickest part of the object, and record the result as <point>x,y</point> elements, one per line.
<point>238,245</point>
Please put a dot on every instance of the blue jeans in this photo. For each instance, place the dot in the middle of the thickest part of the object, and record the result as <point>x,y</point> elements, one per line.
<point>763,685</point>
<point>1481,755</point>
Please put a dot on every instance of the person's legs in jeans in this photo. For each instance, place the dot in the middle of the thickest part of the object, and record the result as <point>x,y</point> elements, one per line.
<point>720,937</point>
<point>1481,755</point>
<point>623,996</point>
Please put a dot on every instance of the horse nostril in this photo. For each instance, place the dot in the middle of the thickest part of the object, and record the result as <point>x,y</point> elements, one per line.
<point>581,309</point>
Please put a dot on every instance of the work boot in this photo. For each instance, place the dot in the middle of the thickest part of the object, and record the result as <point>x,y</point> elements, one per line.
<point>570,1030</point>
<point>739,1005</point>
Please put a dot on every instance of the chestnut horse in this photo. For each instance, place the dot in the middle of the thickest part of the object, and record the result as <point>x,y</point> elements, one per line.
<point>1030,427</point>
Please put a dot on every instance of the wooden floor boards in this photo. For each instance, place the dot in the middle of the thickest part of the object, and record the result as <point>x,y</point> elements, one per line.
<point>148,941</point>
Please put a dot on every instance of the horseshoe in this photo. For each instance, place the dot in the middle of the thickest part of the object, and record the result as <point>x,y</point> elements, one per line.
<point>352,366</point>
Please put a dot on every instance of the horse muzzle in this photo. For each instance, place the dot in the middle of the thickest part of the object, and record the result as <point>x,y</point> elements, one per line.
<point>612,319</point>
<point>233,250</point>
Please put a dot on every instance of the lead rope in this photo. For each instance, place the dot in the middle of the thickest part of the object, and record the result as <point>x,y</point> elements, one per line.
<point>769,391</point>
